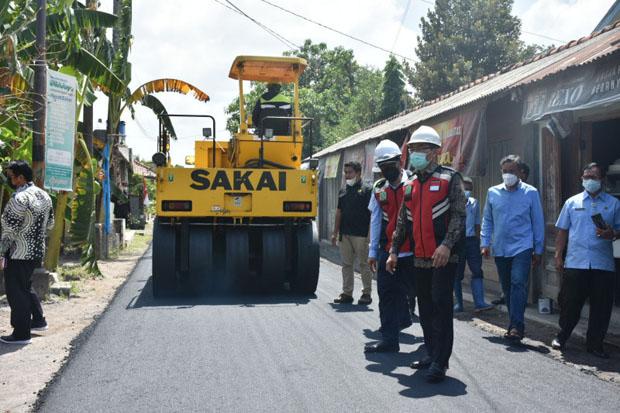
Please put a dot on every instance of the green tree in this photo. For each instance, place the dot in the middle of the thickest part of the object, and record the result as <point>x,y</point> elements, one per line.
<point>463,40</point>
<point>394,94</point>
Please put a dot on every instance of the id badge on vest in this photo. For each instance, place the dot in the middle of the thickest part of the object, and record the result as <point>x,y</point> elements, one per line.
<point>434,186</point>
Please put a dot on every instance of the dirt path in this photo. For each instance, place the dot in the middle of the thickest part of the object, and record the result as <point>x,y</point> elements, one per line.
<point>25,370</point>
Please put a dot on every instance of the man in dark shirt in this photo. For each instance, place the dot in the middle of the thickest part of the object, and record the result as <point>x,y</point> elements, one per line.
<point>272,103</point>
<point>351,228</point>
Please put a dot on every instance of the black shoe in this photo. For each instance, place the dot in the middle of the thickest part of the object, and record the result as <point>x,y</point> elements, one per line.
<point>39,325</point>
<point>365,299</point>
<point>421,364</point>
<point>598,352</point>
<point>556,344</point>
<point>381,347</point>
<point>344,299</point>
<point>499,301</point>
<point>405,326</point>
<point>12,340</point>
<point>436,373</point>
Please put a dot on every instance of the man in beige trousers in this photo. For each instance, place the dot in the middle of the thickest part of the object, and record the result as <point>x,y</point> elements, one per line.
<point>351,228</point>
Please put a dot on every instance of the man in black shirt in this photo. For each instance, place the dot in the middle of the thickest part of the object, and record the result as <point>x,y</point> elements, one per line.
<point>351,228</point>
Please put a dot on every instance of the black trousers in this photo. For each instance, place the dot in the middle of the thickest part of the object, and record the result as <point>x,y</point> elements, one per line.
<point>577,286</point>
<point>22,298</point>
<point>434,289</point>
<point>393,290</point>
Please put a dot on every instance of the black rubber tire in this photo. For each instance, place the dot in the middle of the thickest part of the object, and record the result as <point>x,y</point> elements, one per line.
<point>164,260</point>
<point>200,258</point>
<point>305,277</point>
<point>237,259</point>
<point>273,259</point>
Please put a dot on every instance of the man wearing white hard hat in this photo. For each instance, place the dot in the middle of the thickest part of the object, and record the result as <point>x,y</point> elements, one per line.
<point>392,288</point>
<point>436,202</point>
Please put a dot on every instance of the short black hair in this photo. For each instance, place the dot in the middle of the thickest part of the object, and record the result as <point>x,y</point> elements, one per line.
<point>511,158</point>
<point>356,166</point>
<point>21,168</point>
<point>593,165</point>
<point>525,169</point>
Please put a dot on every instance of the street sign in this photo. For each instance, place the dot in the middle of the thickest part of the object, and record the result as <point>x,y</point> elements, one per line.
<point>60,131</point>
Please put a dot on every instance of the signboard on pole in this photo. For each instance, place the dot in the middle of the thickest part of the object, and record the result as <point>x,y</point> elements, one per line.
<point>60,131</point>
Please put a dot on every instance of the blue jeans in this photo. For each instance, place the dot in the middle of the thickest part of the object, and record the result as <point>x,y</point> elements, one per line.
<point>471,256</point>
<point>514,273</point>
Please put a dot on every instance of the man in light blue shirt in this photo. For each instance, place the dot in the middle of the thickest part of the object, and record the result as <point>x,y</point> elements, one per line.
<point>471,255</point>
<point>589,221</point>
<point>513,230</point>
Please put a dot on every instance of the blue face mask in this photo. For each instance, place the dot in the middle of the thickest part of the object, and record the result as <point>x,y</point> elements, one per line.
<point>467,194</point>
<point>418,161</point>
<point>592,185</point>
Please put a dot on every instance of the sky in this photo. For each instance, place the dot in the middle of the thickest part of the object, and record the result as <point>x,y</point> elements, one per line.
<point>197,40</point>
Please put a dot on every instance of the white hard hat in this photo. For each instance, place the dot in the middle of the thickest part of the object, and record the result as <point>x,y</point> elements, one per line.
<point>386,150</point>
<point>425,134</point>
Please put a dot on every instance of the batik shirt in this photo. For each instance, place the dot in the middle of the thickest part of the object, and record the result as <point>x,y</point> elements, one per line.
<point>25,221</point>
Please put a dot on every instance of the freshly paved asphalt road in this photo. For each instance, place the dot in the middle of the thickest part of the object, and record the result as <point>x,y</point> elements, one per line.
<point>285,354</point>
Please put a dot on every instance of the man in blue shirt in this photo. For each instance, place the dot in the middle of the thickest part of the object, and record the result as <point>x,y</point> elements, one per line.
<point>589,268</point>
<point>393,288</point>
<point>471,255</point>
<point>513,230</point>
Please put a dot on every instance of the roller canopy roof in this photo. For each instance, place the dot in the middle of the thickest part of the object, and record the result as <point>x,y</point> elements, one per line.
<point>267,69</point>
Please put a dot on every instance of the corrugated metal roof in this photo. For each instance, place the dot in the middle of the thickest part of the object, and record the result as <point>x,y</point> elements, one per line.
<point>575,53</point>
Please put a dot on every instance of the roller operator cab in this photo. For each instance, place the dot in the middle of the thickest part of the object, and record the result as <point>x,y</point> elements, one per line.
<point>244,213</point>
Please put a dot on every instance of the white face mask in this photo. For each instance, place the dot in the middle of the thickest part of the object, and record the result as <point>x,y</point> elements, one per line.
<point>510,179</point>
<point>351,182</point>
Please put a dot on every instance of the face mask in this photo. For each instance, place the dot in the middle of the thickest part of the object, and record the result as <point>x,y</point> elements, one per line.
<point>351,182</point>
<point>510,179</point>
<point>391,173</point>
<point>418,161</point>
<point>592,185</point>
<point>467,194</point>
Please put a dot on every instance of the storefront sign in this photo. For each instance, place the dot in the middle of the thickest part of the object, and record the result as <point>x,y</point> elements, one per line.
<point>60,131</point>
<point>594,85</point>
<point>331,165</point>
<point>463,138</point>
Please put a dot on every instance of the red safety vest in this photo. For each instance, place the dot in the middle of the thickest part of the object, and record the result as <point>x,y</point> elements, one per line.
<point>428,203</point>
<point>390,199</point>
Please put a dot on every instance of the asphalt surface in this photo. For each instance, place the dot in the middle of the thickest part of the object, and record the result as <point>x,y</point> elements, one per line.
<point>290,354</point>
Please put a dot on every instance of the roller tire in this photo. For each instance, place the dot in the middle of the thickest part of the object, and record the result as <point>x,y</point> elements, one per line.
<point>200,258</point>
<point>273,259</point>
<point>237,259</point>
<point>164,259</point>
<point>305,277</point>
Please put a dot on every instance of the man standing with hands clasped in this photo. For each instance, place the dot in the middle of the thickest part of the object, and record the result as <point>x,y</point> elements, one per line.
<point>589,221</point>
<point>435,201</point>
<point>513,229</point>
<point>25,221</point>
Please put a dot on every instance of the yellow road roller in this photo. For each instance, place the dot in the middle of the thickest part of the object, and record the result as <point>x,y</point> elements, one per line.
<point>244,213</point>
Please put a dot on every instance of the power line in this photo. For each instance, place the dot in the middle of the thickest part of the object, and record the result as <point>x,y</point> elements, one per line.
<point>357,39</point>
<point>402,21</point>
<point>289,44</point>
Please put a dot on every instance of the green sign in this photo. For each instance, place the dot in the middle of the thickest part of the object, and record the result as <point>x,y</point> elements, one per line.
<point>60,131</point>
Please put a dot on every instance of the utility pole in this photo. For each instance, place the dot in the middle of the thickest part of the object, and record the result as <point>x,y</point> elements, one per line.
<point>40,97</point>
<point>87,111</point>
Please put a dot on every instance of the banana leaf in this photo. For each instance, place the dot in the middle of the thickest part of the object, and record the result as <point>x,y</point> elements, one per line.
<point>168,85</point>
<point>96,70</point>
<point>159,109</point>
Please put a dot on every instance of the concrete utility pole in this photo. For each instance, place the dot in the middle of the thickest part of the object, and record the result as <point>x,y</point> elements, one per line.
<point>87,111</point>
<point>40,97</point>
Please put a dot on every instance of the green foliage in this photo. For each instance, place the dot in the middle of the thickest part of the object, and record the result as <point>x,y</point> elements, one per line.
<point>463,40</point>
<point>394,94</point>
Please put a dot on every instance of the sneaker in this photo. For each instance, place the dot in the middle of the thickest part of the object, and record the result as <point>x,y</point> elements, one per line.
<point>365,299</point>
<point>344,299</point>
<point>39,326</point>
<point>485,307</point>
<point>12,340</point>
<point>556,344</point>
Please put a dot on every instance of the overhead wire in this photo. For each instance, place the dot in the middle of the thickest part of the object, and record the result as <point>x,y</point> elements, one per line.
<point>402,22</point>
<point>357,39</point>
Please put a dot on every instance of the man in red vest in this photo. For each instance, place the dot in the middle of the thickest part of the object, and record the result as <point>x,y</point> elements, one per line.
<point>436,201</point>
<point>392,288</point>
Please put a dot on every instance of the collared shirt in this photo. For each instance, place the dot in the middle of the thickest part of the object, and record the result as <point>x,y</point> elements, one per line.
<point>513,221</point>
<point>456,224</point>
<point>353,204</point>
<point>473,217</point>
<point>586,250</point>
<point>26,218</point>
<point>375,223</point>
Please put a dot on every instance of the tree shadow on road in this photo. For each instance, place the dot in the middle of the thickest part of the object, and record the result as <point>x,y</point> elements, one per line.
<point>145,299</point>
<point>416,384</point>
